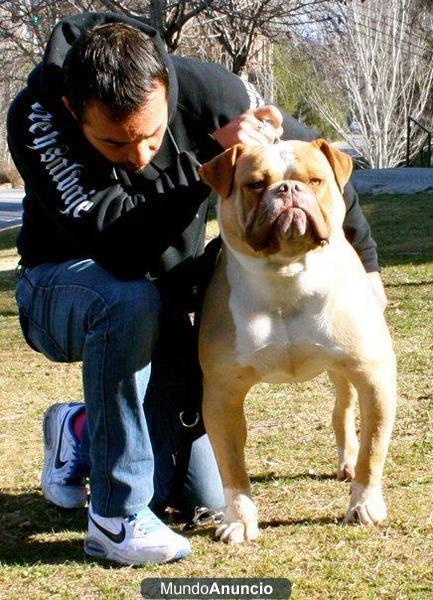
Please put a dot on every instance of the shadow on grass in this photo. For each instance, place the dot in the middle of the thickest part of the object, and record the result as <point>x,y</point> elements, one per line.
<point>292,522</point>
<point>8,280</point>
<point>269,477</point>
<point>8,238</point>
<point>209,531</point>
<point>409,284</point>
<point>9,313</point>
<point>402,227</point>
<point>25,515</point>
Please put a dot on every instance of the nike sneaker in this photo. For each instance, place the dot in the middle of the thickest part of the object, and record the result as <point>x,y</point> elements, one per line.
<point>63,479</point>
<point>140,539</point>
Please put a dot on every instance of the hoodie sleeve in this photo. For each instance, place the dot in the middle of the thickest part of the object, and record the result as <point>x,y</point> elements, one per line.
<point>121,230</point>
<point>356,228</point>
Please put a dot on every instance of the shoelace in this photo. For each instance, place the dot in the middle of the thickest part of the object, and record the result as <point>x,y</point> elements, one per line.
<point>75,474</point>
<point>145,521</point>
<point>76,469</point>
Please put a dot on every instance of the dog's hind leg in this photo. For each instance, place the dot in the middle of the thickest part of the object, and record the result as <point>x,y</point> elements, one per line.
<point>224,419</point>
<point>343,422</point>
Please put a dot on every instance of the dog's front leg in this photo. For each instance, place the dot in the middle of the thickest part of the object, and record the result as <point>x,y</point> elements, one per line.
<point>377,400</point>
<point>343,422</point>
<point>224,419</point>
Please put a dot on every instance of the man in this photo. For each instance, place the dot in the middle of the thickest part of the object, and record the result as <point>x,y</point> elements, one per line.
<point>108,136</point>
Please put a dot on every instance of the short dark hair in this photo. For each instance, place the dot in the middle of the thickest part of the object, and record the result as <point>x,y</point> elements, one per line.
<point>116,64</point>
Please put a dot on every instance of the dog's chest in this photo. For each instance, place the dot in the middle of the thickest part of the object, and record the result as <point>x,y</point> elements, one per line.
<point>283,342</point>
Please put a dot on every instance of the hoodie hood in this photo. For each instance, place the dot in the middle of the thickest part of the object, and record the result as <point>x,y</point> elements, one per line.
<point>46,80</point>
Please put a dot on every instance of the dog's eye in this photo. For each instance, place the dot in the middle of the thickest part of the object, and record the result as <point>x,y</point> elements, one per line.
<point>256,185</point>
<point>315,181</point>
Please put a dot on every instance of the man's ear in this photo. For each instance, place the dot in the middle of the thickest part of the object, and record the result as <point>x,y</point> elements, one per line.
<point>68,106</point>
<point>341,163</point>
<point>219,172</point>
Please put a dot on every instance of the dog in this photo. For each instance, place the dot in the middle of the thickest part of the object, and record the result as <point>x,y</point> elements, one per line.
<point>288,300</point>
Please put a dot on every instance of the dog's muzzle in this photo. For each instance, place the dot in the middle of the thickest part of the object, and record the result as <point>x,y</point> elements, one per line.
<point>285,213</point>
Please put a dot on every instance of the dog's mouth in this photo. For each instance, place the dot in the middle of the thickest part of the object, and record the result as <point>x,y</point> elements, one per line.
<point>285,219</point>
<point>294,222</point>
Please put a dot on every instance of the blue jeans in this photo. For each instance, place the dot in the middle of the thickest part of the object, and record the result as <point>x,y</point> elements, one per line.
<point>76,311</point>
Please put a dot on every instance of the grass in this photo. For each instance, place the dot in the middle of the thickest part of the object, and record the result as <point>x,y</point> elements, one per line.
<point>291,459</point>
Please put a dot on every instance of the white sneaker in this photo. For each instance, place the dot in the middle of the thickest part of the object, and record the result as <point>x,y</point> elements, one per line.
<point>140,539</point>
<point>63,482</point>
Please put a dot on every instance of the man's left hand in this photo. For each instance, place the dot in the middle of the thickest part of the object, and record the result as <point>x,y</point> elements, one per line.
<point>259,126</point>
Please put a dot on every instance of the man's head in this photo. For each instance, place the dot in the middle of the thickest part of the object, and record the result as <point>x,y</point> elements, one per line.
<point>116,86</point>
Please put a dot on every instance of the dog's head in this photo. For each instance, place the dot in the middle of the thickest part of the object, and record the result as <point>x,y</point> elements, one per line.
<point>279,200</point>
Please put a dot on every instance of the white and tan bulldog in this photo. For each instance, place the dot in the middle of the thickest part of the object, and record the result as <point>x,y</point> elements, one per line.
<point>290,299</point>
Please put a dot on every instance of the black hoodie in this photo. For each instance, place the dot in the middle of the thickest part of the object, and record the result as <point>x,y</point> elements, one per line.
<point>78,205</point>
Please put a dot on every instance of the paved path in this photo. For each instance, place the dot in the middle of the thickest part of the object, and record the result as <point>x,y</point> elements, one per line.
<point>393,181</point>
<point>10,207</point>
<point>346,147</point>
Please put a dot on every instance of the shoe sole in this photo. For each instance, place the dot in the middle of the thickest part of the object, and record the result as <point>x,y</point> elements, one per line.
<point>51,426</point>
<point>94,549</point>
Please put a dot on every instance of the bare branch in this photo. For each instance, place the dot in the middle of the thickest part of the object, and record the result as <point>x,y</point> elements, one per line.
<point>385,72</point>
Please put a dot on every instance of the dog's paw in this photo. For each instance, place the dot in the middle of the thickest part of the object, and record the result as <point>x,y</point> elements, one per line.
<point>346,471</point>
<point>367,506</point>
<point>240,519</point>
<point>237,532</point>
<point>346,463</point>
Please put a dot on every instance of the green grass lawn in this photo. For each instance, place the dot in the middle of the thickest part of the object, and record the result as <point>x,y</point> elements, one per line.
<point>291,459</point>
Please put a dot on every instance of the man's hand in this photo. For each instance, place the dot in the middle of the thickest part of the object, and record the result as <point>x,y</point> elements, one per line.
<point>262,125</point>
<point>378,289</point>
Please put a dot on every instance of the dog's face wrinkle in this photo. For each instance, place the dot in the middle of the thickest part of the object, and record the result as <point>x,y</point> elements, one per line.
<point>259,229</point>
<point>255,168</point>
<point>261,210</point>
<point>301,163</point>
<point>273,214</point>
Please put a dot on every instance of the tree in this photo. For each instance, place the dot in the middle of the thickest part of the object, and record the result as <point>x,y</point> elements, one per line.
<point>381,59</point>
<point>293,79</point>
<point>247,31</point>
<point>169,18</point>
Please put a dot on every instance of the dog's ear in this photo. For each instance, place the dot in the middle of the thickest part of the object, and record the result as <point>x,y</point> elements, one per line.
<point>341,163</point>
<point>219,172</point>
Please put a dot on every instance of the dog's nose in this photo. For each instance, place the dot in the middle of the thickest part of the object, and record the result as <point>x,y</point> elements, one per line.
<point>293,187</point>
<point>283,188</point>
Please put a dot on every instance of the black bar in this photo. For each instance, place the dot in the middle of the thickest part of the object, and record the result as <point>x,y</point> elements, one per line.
<point>419,124</point>
<point>408,143</point>
<point>429,150</point>
<point>422,150</point>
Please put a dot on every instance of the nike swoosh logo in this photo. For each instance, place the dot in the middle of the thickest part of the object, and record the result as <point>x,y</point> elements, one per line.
<point>60,463</point>
<point>117,538</point>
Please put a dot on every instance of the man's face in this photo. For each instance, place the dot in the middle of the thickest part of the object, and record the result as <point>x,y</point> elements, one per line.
<point>130,143</point>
